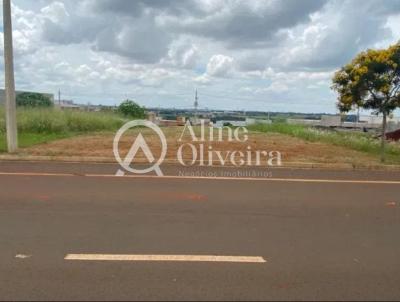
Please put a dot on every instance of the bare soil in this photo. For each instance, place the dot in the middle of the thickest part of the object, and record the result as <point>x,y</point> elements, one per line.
<point>292,149</point>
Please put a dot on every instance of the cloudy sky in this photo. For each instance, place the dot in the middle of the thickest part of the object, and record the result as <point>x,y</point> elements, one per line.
<point>256,55</point>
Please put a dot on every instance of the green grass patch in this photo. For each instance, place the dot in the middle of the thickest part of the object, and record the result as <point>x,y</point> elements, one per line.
<point>358,141</point>
<point>36,126</point>
<point>30,139</point>
<point>57,121</point>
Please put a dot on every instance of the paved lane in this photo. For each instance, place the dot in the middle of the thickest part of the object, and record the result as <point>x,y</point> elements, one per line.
<point>319,240</point>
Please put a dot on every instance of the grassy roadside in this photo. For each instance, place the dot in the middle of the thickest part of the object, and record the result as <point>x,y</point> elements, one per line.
<point>30,139</point>
<point>363,142</point>
<point>36,126</point>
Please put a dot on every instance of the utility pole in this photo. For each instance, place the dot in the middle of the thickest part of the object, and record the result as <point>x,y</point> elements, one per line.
<point>59,97</point>
<point>196,105</point>
<point>11,118</point>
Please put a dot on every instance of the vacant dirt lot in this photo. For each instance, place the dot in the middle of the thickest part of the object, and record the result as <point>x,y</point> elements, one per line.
<point>292,149</point>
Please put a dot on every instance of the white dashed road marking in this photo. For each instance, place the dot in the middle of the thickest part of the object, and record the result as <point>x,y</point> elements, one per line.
<point>22,256</point>
<point>165,258</point>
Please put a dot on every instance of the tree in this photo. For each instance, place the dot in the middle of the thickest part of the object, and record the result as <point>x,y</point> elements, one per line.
<point>371,81</point>
<point>32,99</point>
<point>131,109</point>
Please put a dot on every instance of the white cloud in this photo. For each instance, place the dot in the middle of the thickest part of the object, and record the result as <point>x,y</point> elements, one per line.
<point>270,53</point>
<point>182,53</point>
<point>220,65</point>
<point>277,87</point>
<point>203,79</point>
<point>56,11</point>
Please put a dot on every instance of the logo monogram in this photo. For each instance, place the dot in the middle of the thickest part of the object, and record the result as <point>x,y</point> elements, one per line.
<point>140,144</point>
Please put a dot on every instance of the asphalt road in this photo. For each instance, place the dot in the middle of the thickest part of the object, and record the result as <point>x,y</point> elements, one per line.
<point>325,235</point>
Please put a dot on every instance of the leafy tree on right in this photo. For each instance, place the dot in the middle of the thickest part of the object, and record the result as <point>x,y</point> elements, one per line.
<point>371,81</point>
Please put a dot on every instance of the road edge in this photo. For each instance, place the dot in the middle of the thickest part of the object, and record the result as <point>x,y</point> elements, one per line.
<point>111,160</point>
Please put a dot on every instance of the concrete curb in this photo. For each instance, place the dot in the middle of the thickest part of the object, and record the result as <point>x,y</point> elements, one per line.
<point>111,160</point>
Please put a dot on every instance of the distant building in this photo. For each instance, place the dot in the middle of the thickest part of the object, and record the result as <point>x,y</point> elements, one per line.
<point>68,105</point>
<point>393,122</point>
<point>374,119</point>
<point>3,95</point>
<point>331,120</point>
<point>334,121</point>
<point>394,136</point>
<point>71,105</point>
<point>152,117</point>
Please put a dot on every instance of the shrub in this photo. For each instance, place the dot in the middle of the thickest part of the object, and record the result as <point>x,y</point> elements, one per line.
<point>130,109</point>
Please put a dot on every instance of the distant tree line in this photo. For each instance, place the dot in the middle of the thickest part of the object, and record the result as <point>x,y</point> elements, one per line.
<point>33,99</point>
